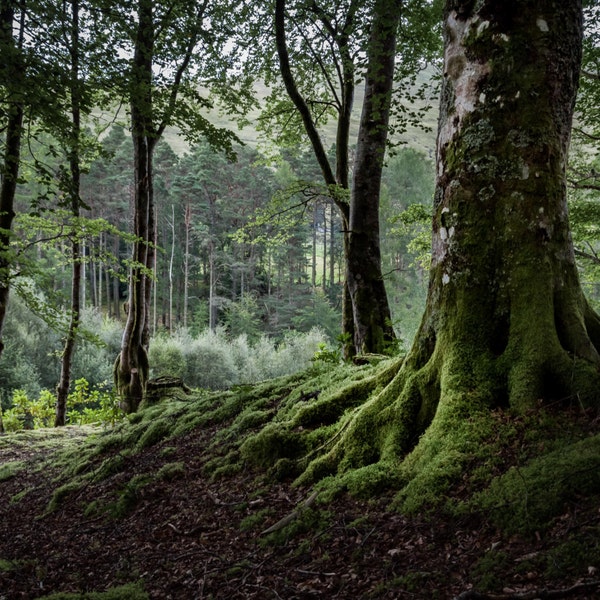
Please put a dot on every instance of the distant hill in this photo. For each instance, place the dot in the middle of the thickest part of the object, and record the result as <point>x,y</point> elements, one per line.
<point>415,137</point>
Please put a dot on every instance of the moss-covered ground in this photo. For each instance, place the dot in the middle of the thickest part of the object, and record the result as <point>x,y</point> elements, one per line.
<point>213,494</point>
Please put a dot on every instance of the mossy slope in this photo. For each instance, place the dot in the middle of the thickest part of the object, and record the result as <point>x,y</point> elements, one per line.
<point>519,472</point>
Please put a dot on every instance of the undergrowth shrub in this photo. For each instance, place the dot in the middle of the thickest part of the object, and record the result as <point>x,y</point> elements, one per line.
<point>214,361</point>
<point>93,359</point>
<point>168,353</point>
<point>84,405</point>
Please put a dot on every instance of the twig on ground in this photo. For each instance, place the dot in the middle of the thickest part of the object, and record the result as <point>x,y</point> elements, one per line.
<point>293,515</point>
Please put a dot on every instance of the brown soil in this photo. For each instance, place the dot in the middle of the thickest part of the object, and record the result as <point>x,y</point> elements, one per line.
<point>193,538</point>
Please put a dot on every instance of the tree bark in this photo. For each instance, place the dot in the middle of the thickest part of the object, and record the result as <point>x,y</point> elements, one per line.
<point>64,382</point>
<point>131,367</point>
<point>373,331</point>
<point>186,262</point>
<point>506,324</point>
<point>12,155</point>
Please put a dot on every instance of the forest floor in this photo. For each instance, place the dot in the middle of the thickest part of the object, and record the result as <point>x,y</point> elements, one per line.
<point>186,536</point>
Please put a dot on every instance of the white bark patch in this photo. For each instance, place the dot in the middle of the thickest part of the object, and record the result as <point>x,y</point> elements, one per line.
<point>525,172</point>
<point>542,25</point>
<point>443,234</point>
<point>482,27</point>
<point>463,74</point>
<point>445,278</point>
<point>451,231</point>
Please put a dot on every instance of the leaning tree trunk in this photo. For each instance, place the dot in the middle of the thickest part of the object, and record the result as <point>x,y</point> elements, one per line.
<point>373,331</point>
<point>506,323</point>
<point>337,183</point>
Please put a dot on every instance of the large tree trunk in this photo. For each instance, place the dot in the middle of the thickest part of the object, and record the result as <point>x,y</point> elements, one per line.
<point>506,323</point>
<point>373,331</point>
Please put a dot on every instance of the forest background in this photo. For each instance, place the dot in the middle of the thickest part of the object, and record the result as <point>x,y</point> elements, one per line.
<point>248,276</point>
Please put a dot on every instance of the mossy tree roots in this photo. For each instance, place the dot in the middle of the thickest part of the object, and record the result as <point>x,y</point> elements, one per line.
<point>506,323</point>
<point>131,378</point>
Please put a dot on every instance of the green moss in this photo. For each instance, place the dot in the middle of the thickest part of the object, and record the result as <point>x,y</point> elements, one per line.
<point>308,520</point>
<point>489,571</point>
<point>6,566</point>
<point>573,556</point>
<point>129,496</point>
<point>226,470</point>
<point>63,492</point>
<point>11,469</point>
<point>168,451</point>
<point>171,471</point>
<point>525,499</point>
<point>371,480</point>
<point>20,495</point>
<point>154,433</point>
<point>272,443</point>
<point>110,466</point>
<point>250,418</point>
<point>256,520</point>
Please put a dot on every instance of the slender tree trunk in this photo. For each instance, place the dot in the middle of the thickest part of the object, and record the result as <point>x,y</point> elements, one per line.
<point>186,263</point>
<point>115,282</point>
<point>171,267</point>
<point>100,273</point>
<point>331,247</point>
<point>325,250</point>
<point>212,313</point>
<point>62,389</point>
<point>11,158</point>
<point>84,275</point>
<point>366,320</point>
<point>313,271</point>
<point>373,330</point>
<point>13,108</point>
<point>155,271</point>
<point>87,252</point>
